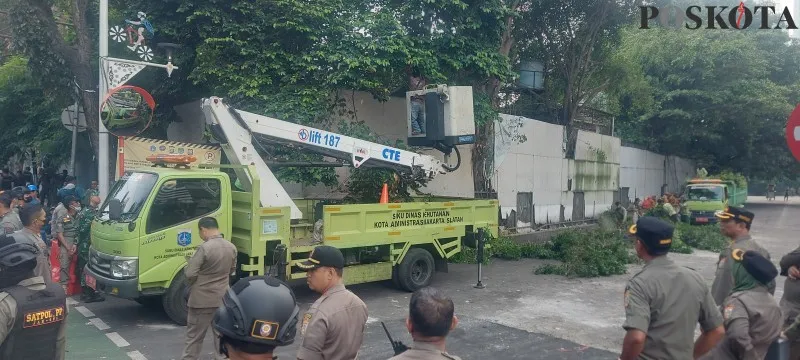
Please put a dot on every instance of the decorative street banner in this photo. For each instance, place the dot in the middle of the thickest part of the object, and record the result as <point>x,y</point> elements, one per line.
<point>137,150</point>
<point>119,72</point>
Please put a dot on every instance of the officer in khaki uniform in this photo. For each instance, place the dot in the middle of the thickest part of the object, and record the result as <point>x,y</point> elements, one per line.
<point>333,328</point>
<point>32,311</point>
<point>752,317</point>
<point>208,275</point>
<point>790,301</point>
<point>430,318</point>
<point>735,224</point>
<point>66,230</point>
<point>664,302</point>
<point>33,218</point>
<point>9,219</point>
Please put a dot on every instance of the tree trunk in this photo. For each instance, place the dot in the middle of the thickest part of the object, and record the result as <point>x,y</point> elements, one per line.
<point>483,151</point>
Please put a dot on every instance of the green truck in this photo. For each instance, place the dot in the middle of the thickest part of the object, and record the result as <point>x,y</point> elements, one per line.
<point>703,197</point>
<point>148,228</point>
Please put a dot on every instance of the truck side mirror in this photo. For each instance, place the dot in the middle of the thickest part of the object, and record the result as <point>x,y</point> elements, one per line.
<point>114,209</point>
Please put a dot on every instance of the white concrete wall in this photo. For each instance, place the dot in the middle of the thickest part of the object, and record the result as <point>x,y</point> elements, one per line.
<point>644,172</point>
<point>537,165</point>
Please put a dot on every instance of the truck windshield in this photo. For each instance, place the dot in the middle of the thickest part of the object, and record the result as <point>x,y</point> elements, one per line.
<point>706,193</point>
<point>132,191</point>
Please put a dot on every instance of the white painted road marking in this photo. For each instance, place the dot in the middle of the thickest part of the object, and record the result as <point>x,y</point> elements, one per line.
<point>117,340</point>
<point>135,355</point>
<point>99,324</point>
<point>84,311</point>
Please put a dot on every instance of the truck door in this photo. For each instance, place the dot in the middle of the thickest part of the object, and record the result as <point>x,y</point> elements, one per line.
<point>176,209</point>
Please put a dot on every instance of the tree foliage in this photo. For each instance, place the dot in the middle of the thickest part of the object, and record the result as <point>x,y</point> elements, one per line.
<point>574,40</point>
<point>30,116</point>
<point>289,59</point>
<point>719,97</point>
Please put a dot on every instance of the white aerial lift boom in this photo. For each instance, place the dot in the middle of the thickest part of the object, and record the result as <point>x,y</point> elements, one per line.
<point>235,129</point>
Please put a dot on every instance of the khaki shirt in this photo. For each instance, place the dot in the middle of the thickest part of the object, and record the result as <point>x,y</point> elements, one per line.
<point>59,211</point>
<point>67,227</point>
<point>424,351</point>
<point>8,314</point>
<point>723,281</point>
<point>753,321</point>
<point>208,272</point>
<point>333,328</point>
<point>42,259</point>
<point>666,301</point>
<point>10,222</point>
<point>790,302</point>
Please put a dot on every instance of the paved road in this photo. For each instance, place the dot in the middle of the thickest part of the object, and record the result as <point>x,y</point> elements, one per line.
<point>519,315</point>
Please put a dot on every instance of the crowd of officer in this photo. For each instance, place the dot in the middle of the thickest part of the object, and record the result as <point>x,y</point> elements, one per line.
<point>664,302</point>
<point>738,316</point>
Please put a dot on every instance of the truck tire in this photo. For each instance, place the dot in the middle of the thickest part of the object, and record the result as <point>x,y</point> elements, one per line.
<point>416,270</point>
<point>172,301</point>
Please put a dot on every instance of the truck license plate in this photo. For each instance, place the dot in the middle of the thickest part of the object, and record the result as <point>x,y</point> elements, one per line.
<point>702,220</point>
<point>91,282</point>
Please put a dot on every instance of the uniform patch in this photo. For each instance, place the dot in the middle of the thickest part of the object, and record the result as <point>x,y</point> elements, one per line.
<point>727,312</point>
<point>43,317</point>
<point>625,298</point>
<point>306,320</point>
<point>265,330</point>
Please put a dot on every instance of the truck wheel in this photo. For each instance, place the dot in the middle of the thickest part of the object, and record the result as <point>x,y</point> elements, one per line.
<point>174,304</point>
<point>416,270</point>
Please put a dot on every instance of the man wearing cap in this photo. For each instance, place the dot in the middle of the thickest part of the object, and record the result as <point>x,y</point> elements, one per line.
<point>664,302</point>
<point>752,317</point>
<point>735,224</point>
<point>9,220</point>
<point>333,328</point>
<point>31,196</point>
<point>208,274</point>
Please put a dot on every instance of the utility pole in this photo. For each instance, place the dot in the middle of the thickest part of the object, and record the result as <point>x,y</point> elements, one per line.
<point>102,146</point>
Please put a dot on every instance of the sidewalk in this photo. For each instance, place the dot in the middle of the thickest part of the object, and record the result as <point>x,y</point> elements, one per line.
<point>85,340</point>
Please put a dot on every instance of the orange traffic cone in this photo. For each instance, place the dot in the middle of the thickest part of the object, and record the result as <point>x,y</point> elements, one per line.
<point>385,194</point>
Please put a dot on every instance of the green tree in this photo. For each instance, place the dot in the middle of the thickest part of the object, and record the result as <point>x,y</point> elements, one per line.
<point>574,39</point>
<point>719,97</point>
<point>30,116</point>
<point>289,59</point>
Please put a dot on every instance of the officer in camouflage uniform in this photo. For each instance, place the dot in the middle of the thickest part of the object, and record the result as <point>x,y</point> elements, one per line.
<point>66,231</point>
<point>84,220</point>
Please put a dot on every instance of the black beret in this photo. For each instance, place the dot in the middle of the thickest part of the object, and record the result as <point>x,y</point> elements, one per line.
<point>655,234</point>
<point>737,214</point>
<point>757,265</point>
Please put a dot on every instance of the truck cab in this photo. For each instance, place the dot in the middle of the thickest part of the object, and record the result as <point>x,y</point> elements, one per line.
<point>138,252</point>
<point>702,198</point>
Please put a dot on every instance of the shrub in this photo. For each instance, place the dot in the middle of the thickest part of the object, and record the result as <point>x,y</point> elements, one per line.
<point>703,237</point>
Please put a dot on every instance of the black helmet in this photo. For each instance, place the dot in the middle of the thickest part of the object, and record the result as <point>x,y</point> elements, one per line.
<point>14,254</point>
<point>258,310</point>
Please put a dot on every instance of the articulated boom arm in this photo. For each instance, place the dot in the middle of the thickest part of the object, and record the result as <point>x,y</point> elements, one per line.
<point>238,128</point>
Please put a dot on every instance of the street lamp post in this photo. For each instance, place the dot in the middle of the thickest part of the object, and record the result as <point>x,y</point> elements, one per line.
<point>102,146</point>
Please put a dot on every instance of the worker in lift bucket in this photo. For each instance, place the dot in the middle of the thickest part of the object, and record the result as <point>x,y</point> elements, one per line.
<point>417,82</point>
